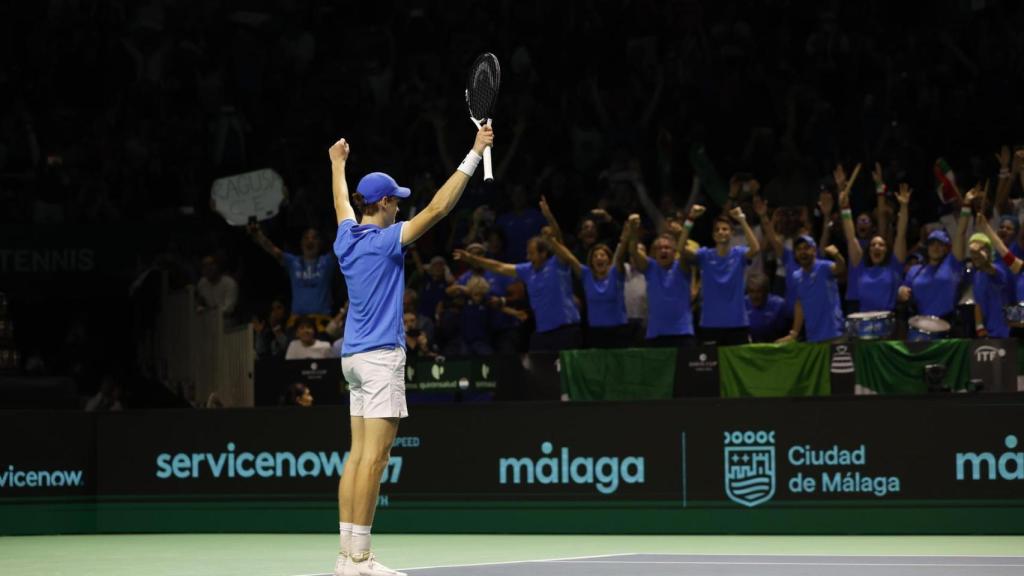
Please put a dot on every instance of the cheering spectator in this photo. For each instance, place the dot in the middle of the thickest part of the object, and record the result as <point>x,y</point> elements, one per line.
<point>724,318</point>
<point>271,335</point>
<point>603,288</point>
<point>310,274</point>
<point>766,311</point>
<point>876,278</point>
<point>991,288</point>
<point>549,288</point>
<point>670,322</point>
<point>817,294</point>
<point>306,346</point>
<point>932,286</point>
<point>216,290</point>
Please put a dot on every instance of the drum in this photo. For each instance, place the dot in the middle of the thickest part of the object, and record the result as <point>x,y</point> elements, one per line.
<point>870,325</point>
<point>927,328</point>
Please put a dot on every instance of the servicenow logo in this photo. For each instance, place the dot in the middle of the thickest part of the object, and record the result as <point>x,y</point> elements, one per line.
<point>605,472</point>
<point>244,464</point>
<point>990,466</point>
<point>14,478</point>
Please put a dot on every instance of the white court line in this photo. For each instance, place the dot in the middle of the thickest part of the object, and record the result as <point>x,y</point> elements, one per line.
<point>584,560</point>
<point>499,563</point>
<point>724,563</point>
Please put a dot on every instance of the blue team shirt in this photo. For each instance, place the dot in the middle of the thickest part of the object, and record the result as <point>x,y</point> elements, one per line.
<point>606,298</point>
<point>373,262</point>
<point>991,295</point>
<point>818,293</point>
<point>550,292</point>
<point>768,322</point>
<point>934,287</point>
<point>668,300</point>
<point>311,283</point>
<point>723,288</point>
<point>877,285</point>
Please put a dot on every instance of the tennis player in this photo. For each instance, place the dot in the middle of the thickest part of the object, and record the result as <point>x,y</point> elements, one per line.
<point>371,256</point>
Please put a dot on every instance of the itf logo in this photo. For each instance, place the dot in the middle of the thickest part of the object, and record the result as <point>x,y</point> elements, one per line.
<point>749,466</point>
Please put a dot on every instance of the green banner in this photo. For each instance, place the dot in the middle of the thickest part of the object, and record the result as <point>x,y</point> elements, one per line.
<point>775,370</point>
<point>893,367</point>
<point>625,374</point>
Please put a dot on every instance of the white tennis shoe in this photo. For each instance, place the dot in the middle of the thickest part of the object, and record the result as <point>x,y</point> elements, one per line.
<point>341,566</point>
<point>368,567</point>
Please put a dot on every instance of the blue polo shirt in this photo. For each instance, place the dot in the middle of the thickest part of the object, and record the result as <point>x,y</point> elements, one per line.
<point>373,262</point>
<point>769,322</point>
<point>934,287</point>
<point>550,292</point>
<point>991,295</point>
<point>877,284</point>
<point>723,288</point>
<point>668,300</point>
<point>818,293</point>
<point>606,298</point>
<point>311,283</point>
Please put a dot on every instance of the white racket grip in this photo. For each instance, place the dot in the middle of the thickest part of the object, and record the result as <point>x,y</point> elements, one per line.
<point>488,172</point>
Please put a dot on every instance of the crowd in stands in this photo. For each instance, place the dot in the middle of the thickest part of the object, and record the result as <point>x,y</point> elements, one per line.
<point>594,233</point>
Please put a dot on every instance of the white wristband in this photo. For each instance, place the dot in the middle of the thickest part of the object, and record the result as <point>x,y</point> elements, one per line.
<point>469,164</point>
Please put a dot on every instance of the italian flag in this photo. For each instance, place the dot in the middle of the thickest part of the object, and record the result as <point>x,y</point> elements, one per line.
<point>946,190</point>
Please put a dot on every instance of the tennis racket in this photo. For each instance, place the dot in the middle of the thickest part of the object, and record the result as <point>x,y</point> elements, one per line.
<point>481,94</point>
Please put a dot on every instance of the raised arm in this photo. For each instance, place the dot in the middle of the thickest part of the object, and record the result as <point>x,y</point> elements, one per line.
<point>959,240</point>
<point>561,252</point>
<point>838,262</point>
<point>495,266</point>
<point>556,230</point>
<point>981,223</point>
<point>899,248</point>
<point>444,200</point>
<point>852,245</point>
<point>633,225</point>
<point>768,227</point>
<point>684,254</point>
<point>339,186</point>
<point>256,233</point>
<point>753,246</point>
<point>826,203</point>
<point>881,208</point>
<point>621,248</point>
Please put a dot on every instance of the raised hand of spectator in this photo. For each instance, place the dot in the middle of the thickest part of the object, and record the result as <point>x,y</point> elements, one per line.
<point>1003,157</point>
<point>839,175</point>
<point>903,195</point>
<point>1018,161</point>
<point>737,214</point>
<point>696,211</point>
<point>460,255</point>
<point>876,175</point>
<point>831,251</point>
<point>545,209</point>
<point>633,223</point>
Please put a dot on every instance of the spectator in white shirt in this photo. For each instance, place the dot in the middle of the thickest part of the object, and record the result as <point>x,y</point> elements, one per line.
<point>216,290</point>
<point>306,346</point>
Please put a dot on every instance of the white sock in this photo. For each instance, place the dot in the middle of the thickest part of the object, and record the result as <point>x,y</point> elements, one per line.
<point>346,537</point>
<point>360,546</point>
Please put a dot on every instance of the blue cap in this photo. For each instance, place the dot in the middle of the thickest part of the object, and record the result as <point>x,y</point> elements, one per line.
<point>939,235</point>
<point>377,185</point>
<point>804,239</point>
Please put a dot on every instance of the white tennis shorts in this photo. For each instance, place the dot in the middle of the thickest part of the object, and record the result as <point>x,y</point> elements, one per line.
<point>376,381</point>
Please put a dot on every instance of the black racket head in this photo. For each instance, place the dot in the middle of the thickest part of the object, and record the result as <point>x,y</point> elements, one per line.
<point>482,86</point>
